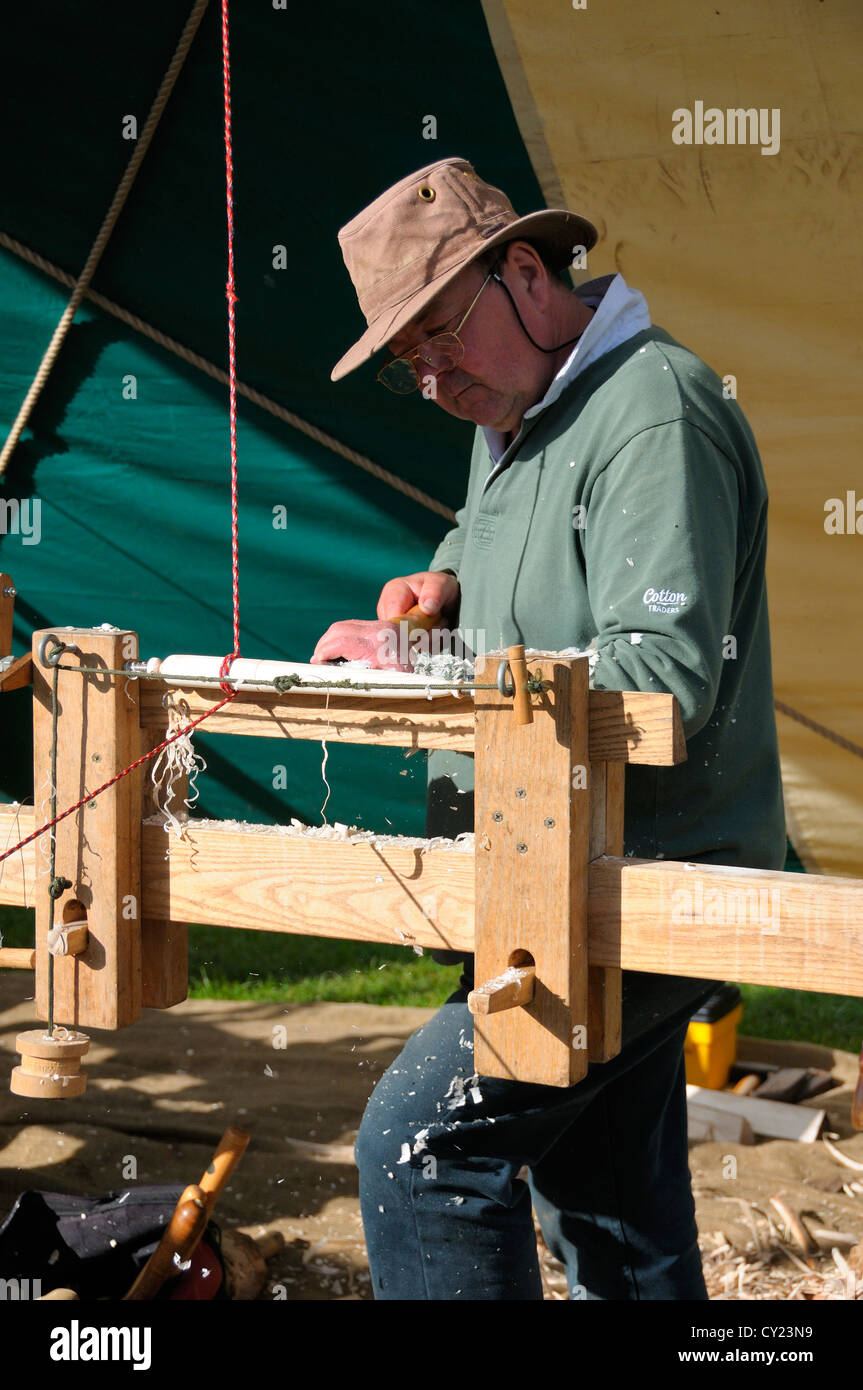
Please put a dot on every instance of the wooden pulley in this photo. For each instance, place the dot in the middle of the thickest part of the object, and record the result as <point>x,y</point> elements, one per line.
<point>50,1064</point>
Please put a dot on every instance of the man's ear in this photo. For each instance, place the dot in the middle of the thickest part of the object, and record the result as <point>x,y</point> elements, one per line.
<point>524,263</point>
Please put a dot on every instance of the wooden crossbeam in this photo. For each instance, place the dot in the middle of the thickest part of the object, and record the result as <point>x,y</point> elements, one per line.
<point>756,926</point>
<point>625,725</point>
<point>18,675</point>
<point>257,877</point>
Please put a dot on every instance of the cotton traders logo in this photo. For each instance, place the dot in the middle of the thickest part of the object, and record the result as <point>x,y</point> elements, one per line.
<point>663,601</point>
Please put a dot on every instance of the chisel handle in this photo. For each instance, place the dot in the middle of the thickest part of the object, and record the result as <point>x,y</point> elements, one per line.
<point>417,619</point>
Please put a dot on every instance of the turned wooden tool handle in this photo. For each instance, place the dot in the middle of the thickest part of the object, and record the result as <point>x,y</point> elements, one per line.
<point>416,618</point>
<point>232,1146</point>
<point>179,1239</point>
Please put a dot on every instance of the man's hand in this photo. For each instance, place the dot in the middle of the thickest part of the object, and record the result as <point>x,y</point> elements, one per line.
<point>377,642</point>
<point>359,639</point>
<point>434,591</point>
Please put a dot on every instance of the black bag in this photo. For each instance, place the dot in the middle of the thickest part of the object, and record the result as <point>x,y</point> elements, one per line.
<point>94,1245</point>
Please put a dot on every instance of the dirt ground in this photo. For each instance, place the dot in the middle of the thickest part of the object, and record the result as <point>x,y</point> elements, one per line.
<point>162,1092</point>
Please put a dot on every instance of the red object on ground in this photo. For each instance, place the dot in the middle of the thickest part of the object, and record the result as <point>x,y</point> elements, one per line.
<point>203,1279</point>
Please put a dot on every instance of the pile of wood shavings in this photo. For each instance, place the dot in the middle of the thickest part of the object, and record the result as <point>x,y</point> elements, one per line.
<point>774,1273</point>
<point>344,833</point>
<point>442,667</point>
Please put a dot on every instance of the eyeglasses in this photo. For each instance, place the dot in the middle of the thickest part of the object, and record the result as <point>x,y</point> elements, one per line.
<point>443,351</point>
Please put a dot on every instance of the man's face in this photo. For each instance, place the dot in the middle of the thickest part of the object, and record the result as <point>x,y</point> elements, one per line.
<point>501,375</point>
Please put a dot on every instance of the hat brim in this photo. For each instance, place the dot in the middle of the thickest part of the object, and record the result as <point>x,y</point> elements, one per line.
<point>559,232</point>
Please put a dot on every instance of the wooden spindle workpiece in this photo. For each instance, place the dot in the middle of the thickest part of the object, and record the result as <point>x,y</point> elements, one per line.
<point>50,1065</point>
<point>532,844</point>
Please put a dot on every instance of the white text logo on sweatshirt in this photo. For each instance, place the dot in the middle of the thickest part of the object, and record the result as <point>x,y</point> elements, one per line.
<point>663,600</point>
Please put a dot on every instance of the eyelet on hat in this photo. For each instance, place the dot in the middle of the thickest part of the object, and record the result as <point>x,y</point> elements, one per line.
<point>427,194</point>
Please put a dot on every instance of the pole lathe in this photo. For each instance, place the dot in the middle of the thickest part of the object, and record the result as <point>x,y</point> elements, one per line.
<point>545,898</point>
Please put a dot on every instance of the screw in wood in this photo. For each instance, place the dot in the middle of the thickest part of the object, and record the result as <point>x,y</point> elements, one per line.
<point>522,848</point>
<point>520,792</point>
<point>548,822</point>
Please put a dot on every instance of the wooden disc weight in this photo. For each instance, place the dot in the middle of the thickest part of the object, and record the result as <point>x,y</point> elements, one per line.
<point>50,1064</point>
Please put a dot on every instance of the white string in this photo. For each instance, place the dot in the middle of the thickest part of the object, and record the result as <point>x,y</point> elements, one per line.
<point>176,762</point>
<point>324,762</point>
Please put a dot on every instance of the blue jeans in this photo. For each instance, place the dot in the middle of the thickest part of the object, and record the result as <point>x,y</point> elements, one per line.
<point>439,1151</point>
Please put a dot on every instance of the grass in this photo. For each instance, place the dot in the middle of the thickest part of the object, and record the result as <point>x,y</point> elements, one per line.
<point>267,966</point>
<point>236,964</point>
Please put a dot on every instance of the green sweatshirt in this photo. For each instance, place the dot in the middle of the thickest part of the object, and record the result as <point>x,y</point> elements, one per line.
<point>631,514</point>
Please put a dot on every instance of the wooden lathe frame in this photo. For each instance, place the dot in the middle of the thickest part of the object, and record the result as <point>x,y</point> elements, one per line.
<point>546,882</point>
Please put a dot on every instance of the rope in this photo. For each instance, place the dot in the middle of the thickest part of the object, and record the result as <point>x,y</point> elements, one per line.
<point>231,294</point>
<point>210,369</point>
<point>107,227</point>
<point>820,729</point>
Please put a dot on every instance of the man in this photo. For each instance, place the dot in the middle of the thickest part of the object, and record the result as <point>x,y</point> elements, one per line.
<point>616,504</point>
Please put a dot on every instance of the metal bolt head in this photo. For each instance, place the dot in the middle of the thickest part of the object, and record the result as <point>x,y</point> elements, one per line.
<point>548,822</point>
<point>9,591</point>
<point>522,848</point>
<point>496,815</point>
<point>520,792</point>
<point>97,757</point>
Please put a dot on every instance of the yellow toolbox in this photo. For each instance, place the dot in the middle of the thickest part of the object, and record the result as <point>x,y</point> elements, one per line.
<point>711,1039</point>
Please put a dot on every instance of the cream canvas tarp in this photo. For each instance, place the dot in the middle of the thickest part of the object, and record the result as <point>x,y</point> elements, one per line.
<point>753,260</point>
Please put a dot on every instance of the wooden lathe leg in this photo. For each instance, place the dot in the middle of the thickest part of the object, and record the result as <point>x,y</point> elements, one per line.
<point>604,982</point>
<point>164,944</point>
<point>532,845</point>
<point>99,847</point>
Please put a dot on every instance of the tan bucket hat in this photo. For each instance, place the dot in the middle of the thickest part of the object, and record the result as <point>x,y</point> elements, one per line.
<point>407,245</point>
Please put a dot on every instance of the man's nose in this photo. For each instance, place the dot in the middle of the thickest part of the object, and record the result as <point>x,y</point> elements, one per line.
<point>435,374</point>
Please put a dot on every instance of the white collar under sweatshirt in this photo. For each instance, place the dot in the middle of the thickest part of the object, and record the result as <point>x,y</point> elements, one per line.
<point>621,312</point>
